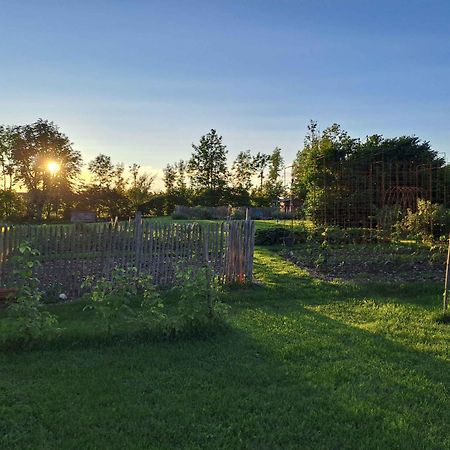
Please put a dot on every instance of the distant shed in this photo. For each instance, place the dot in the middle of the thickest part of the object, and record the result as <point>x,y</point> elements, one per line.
<point>82,216</point>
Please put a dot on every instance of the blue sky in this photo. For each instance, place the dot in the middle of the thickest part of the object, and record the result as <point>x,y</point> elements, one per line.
<point>142,80</point>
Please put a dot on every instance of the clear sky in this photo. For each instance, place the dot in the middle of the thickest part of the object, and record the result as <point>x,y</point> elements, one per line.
<point>142,80</point>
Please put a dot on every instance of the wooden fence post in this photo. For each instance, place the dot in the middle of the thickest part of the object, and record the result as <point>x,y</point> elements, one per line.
<point>446,279</point>
<point>209,278</point>
<point>138,239</point>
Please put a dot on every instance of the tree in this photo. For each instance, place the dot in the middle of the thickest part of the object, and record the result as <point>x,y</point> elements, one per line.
<point>260,162</point>
<point>181,171</point>
<point>208,166</point>
<point>106,202</point>
<point>102,171</point>
<point>242,171</point>
<point>170,178</point>
<point>274,185</point>
<point>140,189</point>
<point>110,193</point>
<point>12,205</point>
<point>120,183</point>
<point>33,147</point>
<point>344,181</point>
<point>7,165</point>
<point>177,191</point>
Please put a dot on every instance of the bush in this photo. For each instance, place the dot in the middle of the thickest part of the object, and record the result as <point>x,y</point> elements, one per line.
<point>428,222</point>
<point>273,236</point>
<point>27,306</point>
<point>200,212</point>
<point>127,295</point>
<point>198,293</point>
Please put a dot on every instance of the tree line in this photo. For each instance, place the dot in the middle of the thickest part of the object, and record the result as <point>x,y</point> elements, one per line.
<point>41,178</point>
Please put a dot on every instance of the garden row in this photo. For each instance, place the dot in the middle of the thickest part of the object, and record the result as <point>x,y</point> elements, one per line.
<point>429,224</point>
<point>125,303</point>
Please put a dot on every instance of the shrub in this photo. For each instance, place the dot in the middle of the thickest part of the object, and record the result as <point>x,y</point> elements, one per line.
<point>198,295</point>
<point>428,222</point>
<point>127,295</point>
<point>27,306</point>
<point>272,236</point>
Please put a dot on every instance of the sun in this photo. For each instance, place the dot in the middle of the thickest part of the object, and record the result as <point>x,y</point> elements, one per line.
<point>53,167</point>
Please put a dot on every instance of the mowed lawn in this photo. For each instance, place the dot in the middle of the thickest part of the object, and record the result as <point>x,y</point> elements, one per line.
<point>306,364</point>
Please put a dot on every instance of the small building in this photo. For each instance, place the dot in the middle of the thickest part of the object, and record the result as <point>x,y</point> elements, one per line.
<point>77,216</point>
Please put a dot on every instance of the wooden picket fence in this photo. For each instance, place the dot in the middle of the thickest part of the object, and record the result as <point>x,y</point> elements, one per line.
<point>70,253</point>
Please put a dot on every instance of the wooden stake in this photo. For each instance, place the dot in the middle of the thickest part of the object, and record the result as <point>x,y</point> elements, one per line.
<point>446,279</point>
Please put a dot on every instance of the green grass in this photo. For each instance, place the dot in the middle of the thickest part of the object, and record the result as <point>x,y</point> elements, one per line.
<point>306,364</point>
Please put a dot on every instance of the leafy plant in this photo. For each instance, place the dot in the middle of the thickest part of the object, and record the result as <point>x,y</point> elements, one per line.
<point>198,293</point>
<point>429,221</point>
<point>126,295</point>
<point>27,304</point>
<point>272,236</point>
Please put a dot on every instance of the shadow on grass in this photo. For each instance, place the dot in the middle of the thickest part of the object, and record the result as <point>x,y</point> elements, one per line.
<point>273,382</point>
<point>285,376</point>
<point>285,285</point>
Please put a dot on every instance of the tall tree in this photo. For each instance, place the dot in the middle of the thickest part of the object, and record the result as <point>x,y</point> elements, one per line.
<point>140,189</point>
<point>242,171</point>
<point>170,178</point>
<point>177,190</point>
<point>208,163</point>
<point>120,183</point>
<point>181,170</point>
<point>45,162</point>
<point>274,187</point>
<point>7,166</point>
<point>102,171</point>
<point>260,162</point>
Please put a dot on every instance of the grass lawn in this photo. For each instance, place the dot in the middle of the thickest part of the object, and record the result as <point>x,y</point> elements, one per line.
<point>307,363</point>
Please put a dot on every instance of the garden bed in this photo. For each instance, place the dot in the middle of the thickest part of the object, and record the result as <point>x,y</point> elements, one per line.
<point>389,263</point>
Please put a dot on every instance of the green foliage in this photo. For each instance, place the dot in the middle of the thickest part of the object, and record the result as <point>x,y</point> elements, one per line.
<point>208,165</point>
<point>33,146</point>
<point>260,162</point>
<point>126,295</point>
<point>302,233</point>
<point>140,190</point>
<point>113,194</point>
<point>198,298</point>
<point>175,182</point>
<point>242,171</point>
<point>330,173</point>
<point>102,171</point>
<point>12,205</point>
<point>336,235</point>
<point>428,222</point>
<point>273,236</point>
<point>26,306</point>
<point>273,187</point>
